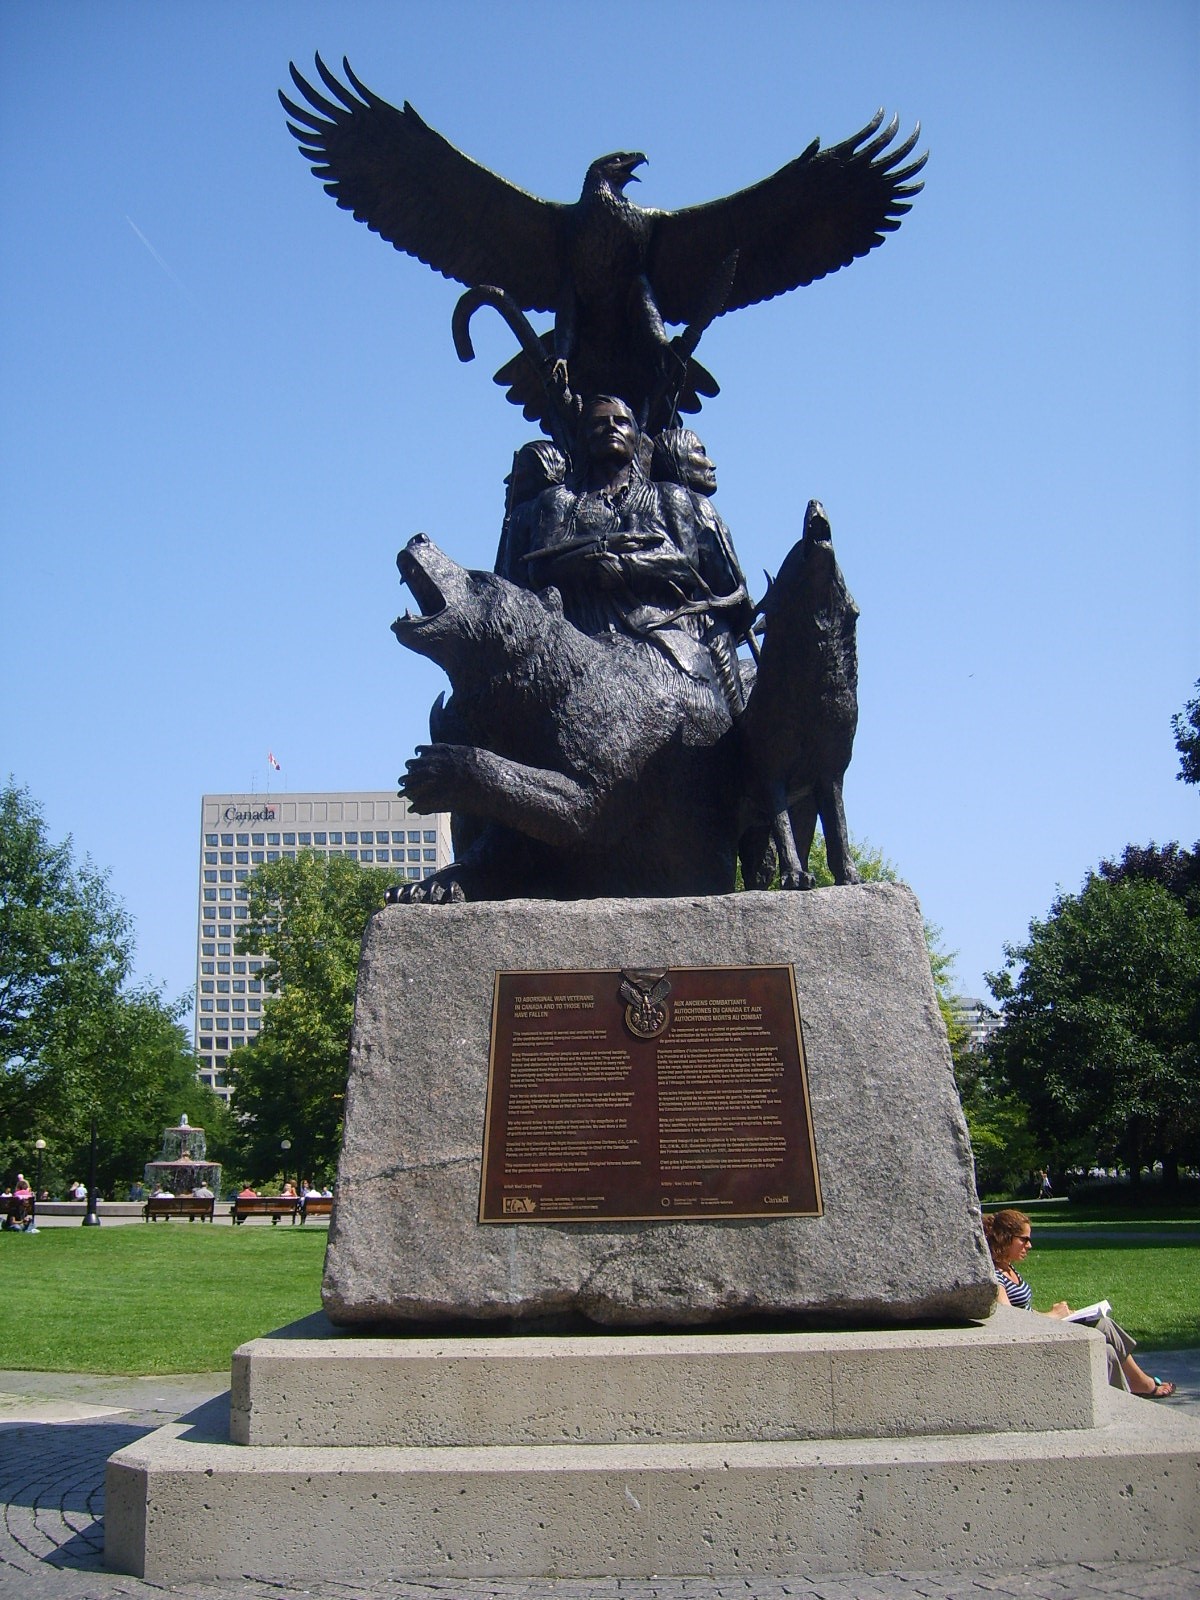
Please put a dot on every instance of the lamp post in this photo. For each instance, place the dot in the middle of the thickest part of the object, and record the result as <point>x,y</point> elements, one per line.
<point>285,1145</point>
<point>39,1145</point>
<point>92,1220</point>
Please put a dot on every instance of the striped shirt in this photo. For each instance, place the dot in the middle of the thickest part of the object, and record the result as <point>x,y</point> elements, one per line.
<point>1018,1291</point>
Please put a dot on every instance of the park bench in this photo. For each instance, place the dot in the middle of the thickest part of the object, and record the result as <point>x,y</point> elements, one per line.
<point>167,1206</point>
<point>264,1205</point>
<point>316,1205</point>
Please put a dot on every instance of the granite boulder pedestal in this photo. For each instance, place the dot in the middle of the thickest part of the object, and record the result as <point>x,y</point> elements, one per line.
<point>900,1238</point>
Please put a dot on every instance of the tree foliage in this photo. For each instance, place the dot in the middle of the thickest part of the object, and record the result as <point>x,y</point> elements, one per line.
<point>1186,724</point>
<point>75,1040</point>
<point>307,917</point>
<point>1102,1022</point>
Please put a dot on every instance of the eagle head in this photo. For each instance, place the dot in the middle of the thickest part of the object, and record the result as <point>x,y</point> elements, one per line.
<point>614,171</point>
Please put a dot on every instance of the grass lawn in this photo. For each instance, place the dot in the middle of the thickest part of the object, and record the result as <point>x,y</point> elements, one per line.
<point>1154,1288</point>
<point>143,1300</point>
<point>180,1298</point>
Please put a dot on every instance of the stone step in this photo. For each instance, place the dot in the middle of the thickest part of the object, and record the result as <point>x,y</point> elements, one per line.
<point>670,1388</point>
<point>183,1507</point>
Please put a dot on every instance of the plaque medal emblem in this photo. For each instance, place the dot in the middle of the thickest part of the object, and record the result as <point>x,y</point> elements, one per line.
<point>645,993</point>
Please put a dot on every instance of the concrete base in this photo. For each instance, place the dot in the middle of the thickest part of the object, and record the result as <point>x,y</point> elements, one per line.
<point>630,1460</point>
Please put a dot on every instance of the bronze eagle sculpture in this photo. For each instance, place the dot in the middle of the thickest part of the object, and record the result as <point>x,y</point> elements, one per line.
<point>613,273</point>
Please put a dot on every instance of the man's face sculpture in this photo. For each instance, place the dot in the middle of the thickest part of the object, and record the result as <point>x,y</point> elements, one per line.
<point>611,434</point>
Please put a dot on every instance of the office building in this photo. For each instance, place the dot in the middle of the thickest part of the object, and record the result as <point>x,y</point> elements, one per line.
<point>239,832</point>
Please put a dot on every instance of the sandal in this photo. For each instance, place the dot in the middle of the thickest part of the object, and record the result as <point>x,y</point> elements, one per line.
<point>1162,1390</point>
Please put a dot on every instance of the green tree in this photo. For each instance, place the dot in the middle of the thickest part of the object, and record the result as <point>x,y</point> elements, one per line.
<point>1002,1141</point>
<point>1186,724</point>
<point>1101,1022</point>
<point>307,917</point>
<point>74,1039</point>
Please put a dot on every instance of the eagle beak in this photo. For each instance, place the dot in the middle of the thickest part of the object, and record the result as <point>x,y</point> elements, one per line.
<point>637,160</point>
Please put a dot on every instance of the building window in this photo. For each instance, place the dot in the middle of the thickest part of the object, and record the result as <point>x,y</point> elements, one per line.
<point>430,836</point>
<point>289,838</point>
<point>210,932</point>
<point>366,855</point>
<point>272,838</point>
<point>210,894</point>
<point>254,1024</point>
<point>256,856</point>
<point>226,894</point>
<point>241,875</point>
<point>258,839</point>
<point>223,949</point>
<point>306,838</point>
<point>239,1005</point>
<point>223,1044</point>
<point>208,949</point>
<point>243,838</point>
<point>429,855</point>
<point>243,858</point>
<point>255,1005</point>
<point>335,838</point>
<point>210,838</point>
<point>206,1043</point>
<point>319,838</point>
<point>255,985</point>
<point>223,1005</point>
<point>226,858</point>
<point>223,983</point>
<point>210,858</point>
<point>414,872</point>
<point>206,966</point>
<point>227,839</point>
<point>206,986</point>
<point>210,877</point>
<point>368,838</point>
<point>273,855</point>
<point>414,855</point>
<point>226,875</point>
<point>206,1005</point>
<point>414,836</point>
<point>242,911</point>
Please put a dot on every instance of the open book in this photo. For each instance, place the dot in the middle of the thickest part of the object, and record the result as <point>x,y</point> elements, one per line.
<point>1090,1313</point>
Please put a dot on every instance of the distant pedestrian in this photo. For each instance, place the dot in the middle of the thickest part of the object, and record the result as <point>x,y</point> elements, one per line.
<point>1045,1192</point>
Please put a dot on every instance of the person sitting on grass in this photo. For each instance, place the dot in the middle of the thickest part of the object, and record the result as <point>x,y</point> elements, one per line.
<point>1010,1240</point>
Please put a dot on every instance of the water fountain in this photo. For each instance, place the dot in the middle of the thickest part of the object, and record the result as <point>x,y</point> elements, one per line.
<point>181,1164</point>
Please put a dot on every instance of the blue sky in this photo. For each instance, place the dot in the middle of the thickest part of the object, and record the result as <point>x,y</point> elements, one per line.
<point>225,405</point>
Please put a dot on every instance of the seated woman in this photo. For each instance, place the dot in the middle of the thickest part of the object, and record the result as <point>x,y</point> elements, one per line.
<point>1010,1240</point>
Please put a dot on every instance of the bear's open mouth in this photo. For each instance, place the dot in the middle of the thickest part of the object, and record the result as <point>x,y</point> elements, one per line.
<point>424,590</point>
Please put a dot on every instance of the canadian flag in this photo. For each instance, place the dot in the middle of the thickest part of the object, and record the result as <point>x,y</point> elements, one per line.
<point>272,760</point>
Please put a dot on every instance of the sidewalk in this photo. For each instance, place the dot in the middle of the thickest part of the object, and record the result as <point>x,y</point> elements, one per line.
<point>58,1429</point>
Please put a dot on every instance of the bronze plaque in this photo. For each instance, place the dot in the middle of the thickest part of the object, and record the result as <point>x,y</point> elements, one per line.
<point>667,1095</point>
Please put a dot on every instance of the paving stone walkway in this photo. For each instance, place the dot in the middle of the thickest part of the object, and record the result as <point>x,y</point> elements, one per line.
<point>58,1430</point>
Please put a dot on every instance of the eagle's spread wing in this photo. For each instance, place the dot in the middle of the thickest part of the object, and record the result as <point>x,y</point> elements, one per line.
<point>425,197</point>
<point>811,217</point>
